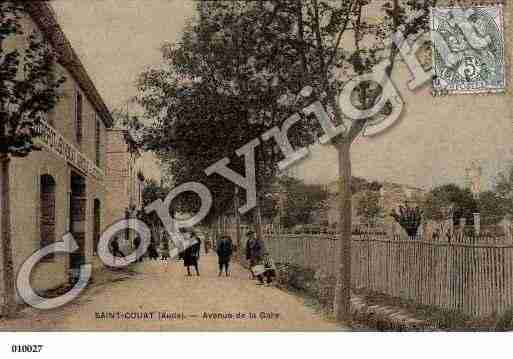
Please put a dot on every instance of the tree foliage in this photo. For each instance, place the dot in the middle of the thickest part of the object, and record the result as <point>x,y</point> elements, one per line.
<point>492,207</point>
<point>445,201</point>
<point>245,64</point>
<point>368,206</point>
<point>28,92</point>
<point>29,82</point>
<point>152,191</point>
<point>301,201</point>
<point>361,184</point>
<point>504,189</point>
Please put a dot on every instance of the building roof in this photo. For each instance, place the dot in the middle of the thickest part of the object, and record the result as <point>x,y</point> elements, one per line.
<point>44,17</point>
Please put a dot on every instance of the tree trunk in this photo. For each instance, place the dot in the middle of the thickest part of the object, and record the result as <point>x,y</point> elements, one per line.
<point>342,304</point>
<point>257,217</point>
<point>219,228</point>
<point>237,221</point>
<point>7,260</point>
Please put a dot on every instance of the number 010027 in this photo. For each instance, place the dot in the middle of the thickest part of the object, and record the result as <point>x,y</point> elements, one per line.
<point>26,348</point>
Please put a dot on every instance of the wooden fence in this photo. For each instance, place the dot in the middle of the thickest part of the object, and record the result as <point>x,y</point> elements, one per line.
<point>472,277</point>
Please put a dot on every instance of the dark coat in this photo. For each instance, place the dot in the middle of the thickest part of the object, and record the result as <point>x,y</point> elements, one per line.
<point>152,251</point>
<point>255,250</point>
<point>224,248</point>
<point>114,245</point>
<point>191,254</point>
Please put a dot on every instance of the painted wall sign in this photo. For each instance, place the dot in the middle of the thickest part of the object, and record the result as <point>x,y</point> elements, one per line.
<point>56,143</point>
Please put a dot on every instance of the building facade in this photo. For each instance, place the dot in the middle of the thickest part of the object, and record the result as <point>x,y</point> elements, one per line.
<point>60,189</point>
<point>124,176</point>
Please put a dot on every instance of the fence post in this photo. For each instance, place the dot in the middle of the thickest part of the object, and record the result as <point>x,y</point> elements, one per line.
<point>477,223</point>
<point>506,227</point>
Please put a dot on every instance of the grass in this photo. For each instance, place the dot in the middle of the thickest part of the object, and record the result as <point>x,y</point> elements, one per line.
<point>303,283</point>
<point>441,318</point>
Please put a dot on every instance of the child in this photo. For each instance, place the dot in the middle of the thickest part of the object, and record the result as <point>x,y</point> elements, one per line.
<point>270,269</point>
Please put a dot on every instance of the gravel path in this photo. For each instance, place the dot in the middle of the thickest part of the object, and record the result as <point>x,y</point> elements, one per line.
<point>161,298</point>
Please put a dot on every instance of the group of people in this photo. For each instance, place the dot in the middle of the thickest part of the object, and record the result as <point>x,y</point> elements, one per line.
<point>191,254</point>
<point>260,263</point>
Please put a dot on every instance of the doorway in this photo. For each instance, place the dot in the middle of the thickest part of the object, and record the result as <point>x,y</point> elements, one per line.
<point>78,207</point>
<point>96,225</point>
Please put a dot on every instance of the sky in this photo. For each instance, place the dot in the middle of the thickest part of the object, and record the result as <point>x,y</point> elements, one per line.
<point>118,39</point>
<point>436,139</point>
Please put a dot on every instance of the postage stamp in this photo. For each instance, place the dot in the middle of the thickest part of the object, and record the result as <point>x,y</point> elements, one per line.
<point>468,49</point>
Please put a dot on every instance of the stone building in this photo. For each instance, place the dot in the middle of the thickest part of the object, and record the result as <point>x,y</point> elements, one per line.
<point>60,189</point>
<point>124,177</point>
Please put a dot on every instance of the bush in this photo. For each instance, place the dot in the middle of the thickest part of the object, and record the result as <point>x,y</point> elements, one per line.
<point>505,321</point>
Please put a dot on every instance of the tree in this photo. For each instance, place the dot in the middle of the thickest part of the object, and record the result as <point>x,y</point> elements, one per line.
<point>368,207</point>
<point>262,54</point>
<point>504,189</point>
<point>152,191</point>
<point>409,218</point>
<point>226,101</point>
<point>317,46</point>
<point>301,201</point>
<point>492,207</point>
<point>446,200</point>
<point>361,184</point>
<point>28,92</point>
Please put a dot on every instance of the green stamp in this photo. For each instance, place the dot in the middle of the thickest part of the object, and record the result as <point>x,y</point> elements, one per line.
<point>468,49</point>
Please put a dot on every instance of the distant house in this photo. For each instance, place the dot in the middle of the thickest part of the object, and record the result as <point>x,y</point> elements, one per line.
<point>124,177</point>
<point>391,196</point>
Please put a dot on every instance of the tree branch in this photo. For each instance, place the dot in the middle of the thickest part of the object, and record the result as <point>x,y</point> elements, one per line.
<point>317,30</point>
<point>341,33</point>
<point>300,25</point>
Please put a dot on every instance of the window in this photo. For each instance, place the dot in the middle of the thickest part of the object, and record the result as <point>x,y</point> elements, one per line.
<point>47,213</point>
<point>97,140</point>
<point>78,117</point>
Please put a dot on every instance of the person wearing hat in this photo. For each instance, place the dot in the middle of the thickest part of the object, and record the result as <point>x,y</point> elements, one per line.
<point>224,251</point>
<point>255,251</point>
<point>191,254</point>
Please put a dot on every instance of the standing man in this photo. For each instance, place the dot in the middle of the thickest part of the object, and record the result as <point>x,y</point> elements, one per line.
<point>254,254</point>
<point>224,250</point>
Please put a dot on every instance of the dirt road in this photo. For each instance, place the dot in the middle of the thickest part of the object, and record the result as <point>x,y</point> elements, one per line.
<point>161,298</point>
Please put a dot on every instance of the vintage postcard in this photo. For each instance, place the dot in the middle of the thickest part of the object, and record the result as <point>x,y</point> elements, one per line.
<point>288,165</point>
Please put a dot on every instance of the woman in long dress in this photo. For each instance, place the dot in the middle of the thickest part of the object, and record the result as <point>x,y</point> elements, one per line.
<point>191,255</point>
